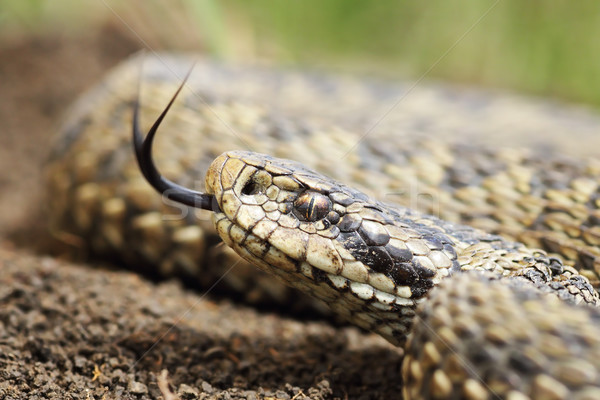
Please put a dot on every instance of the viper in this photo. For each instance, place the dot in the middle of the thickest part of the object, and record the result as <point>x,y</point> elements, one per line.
<point>479,314</point>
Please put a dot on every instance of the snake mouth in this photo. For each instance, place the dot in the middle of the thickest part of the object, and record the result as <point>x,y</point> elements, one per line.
<point>143,153</point>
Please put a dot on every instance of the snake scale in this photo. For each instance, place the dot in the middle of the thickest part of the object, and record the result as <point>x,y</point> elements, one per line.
<point>502,309</point>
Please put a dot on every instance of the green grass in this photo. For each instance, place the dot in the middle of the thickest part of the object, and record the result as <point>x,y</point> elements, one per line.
<point>540,47</point>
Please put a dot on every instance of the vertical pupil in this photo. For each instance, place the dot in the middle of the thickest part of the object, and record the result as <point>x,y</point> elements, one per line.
<point>312,206</point>
<point>310,210</point>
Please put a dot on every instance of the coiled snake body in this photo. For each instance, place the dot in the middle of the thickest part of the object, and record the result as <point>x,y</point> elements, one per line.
<point>485,316</point>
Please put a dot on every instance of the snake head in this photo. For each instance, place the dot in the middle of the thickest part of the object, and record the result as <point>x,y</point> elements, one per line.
<point>369,262</point>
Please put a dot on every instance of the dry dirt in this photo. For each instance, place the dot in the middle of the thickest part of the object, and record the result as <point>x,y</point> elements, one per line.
<point>70,331</point>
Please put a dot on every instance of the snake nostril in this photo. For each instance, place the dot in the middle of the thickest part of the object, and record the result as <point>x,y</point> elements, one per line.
<point>250,188</point>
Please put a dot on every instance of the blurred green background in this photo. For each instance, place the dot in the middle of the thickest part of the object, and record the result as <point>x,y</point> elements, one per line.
<point>550,49</point>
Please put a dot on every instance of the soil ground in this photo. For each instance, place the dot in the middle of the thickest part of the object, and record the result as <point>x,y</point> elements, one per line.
<point>70,331</point>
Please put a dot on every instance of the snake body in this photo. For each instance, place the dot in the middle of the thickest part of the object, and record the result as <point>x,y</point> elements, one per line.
<point>479,315</point>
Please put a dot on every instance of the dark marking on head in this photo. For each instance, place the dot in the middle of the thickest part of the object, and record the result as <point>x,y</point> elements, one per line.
<point>349,223</point>
<point>420,288</point>
<point>378,259</point>
<point>399,254</point>
<point>403,274</point>
<point>354,243</point>
<point>373,238</point>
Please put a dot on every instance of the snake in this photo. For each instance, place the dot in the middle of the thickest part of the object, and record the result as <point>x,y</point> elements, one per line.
<point>494,296</point>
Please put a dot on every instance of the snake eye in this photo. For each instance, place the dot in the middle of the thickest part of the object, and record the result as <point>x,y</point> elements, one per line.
<point>312,206</point>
